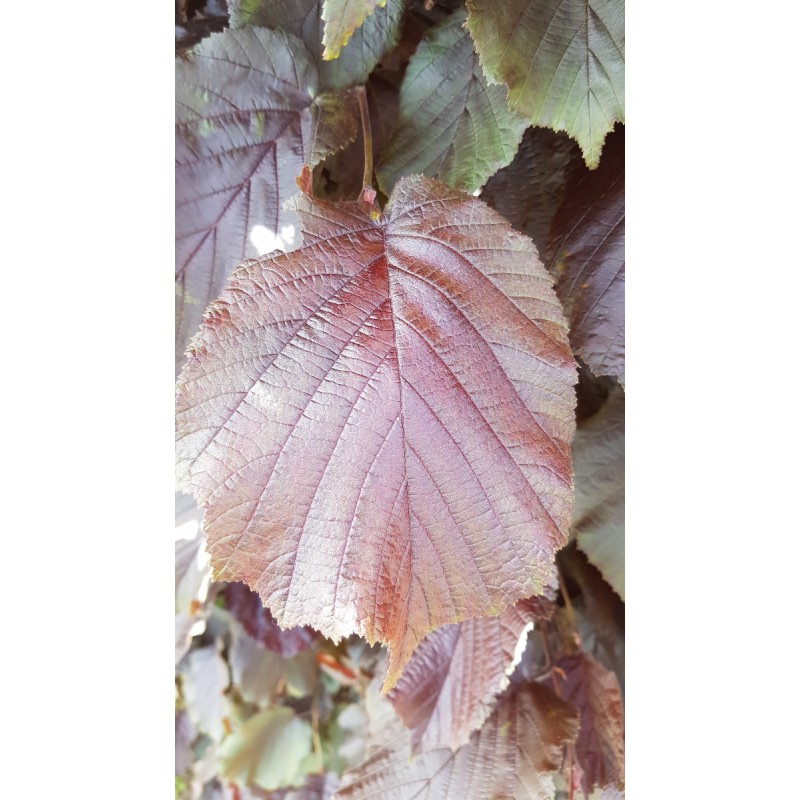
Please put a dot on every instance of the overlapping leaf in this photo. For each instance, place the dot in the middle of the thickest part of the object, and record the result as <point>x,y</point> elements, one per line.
<point>586,254</point>
<point>342,19</point>
<point>512,756</point>
<point>598,454</point>
<point>452,124</point>
<point>378,424</point>
<point>594,691</point>
<point>249,115</point>
<point>303,18</point>
<point>562,60</point>
<point>448,688</point>
<point>529,190</point>
<point>246,606</point>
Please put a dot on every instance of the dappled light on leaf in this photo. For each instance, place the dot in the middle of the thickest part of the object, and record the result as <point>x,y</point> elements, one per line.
<point>245,124</point>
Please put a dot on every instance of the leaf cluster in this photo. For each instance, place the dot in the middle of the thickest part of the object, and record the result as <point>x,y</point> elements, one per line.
<point>400,402</point>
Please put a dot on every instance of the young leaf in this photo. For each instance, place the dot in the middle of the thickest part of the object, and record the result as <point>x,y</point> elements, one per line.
<point>529,190</point>
<point>452,124</point>
<point>598,455</point>
<point>303,18</point>
<point>249,115</point>
<point>512,756</point>
<point>378,424</point>
<point>247,608</point>
<point>448,688</point>
<point>342,18</point>
<point>586,254</point>
<point>563,62</point>
<point>594,691</point>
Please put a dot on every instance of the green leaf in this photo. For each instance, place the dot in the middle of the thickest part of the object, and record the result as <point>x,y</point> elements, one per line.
<point>453,125</point>
<point>562,60</point>
<point>267,750</point>
<point>303,18</point>
<point>342,18</point>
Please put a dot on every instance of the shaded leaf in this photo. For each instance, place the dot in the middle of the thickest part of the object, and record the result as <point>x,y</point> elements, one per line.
<point>342,18</point>
<point>529,190</point>
<point>512,756</point>
<point>246,607</point>
<point>256,671</point>
<point>594,691</point>
<point>249,114</point>
<point>602,609</point>
<point>586,254</point>
<point>378,424</point>
<point>268,750</point>
<point>335,123</point>
<point>563,62</point>
<point>448,688</point>
<point>452,124</point>
<point>598,457</point>
<point>203,684</point>
<point>303,18</point>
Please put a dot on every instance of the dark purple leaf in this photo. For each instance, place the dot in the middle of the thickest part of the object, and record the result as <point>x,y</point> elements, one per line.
<point>246,606</point>
<point>586,254</point>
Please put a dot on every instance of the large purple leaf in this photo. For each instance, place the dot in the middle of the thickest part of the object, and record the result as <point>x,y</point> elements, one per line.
<point>448,688</point>
<point>512,756</point>
<point>378,423</point>
<point>586,254</point>
<point>249,114</point>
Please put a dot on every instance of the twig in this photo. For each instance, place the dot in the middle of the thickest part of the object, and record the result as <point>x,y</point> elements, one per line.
<point>361,92</point>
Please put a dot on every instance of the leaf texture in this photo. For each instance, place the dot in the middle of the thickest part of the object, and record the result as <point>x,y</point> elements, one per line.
<point>452,125</point>
<point>562,60</point>
<point>598,456</point>
<point>512,756</point>
<point>586,254</point>
<point>246,607</point>
<point>303,18</point>
<point>448,688</point>
<point>594,691</point>
<point>378,424</point>
<point>529,190</point>
<point>342,18</point>
<point>248,117</point>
